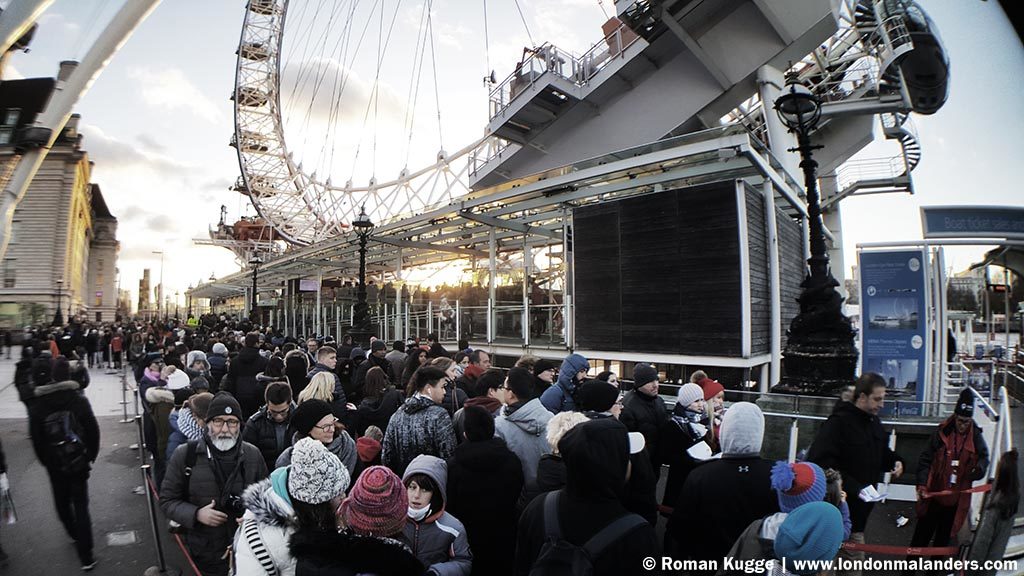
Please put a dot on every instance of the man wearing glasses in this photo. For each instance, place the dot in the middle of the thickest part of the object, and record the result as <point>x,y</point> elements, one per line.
<point>204,482</point>
<point>270,429</point>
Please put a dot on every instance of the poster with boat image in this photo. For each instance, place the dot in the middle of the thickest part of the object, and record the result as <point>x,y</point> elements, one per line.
<point>894,301</point>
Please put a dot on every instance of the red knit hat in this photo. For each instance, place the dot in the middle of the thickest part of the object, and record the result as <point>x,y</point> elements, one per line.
<point>377,504</point>
<point>711,388</point>
<point>367,448</point>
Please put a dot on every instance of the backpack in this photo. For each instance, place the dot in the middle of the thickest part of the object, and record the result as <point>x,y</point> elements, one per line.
<point>560,557</point>
<point>64,445</point>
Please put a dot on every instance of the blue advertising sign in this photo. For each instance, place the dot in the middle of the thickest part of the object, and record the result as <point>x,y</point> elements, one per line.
<point>893,322</point>
<point>972,221</point>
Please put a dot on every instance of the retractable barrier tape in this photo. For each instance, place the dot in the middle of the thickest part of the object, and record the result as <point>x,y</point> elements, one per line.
<point>177,537</point>
<point>975,490</point>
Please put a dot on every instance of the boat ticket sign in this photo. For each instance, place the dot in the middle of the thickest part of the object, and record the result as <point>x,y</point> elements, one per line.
<point>894,337</point>
<point>973,222</point>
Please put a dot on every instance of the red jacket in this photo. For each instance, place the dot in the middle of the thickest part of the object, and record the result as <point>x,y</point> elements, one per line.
<point>936,468</point>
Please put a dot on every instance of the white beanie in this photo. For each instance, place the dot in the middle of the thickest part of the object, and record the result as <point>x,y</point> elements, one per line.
<point>220,348</point>
<point>316,475</point>
<point>688,394</point>
<point>742,430</point>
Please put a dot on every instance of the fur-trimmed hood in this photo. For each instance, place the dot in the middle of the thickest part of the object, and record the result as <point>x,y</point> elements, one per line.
<point>359,554</point>
<point>159,394</point>
<point>267,506</point>
<point>55,387</point>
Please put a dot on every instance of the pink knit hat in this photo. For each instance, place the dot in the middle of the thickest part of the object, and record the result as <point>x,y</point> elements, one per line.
<point>377,504</point>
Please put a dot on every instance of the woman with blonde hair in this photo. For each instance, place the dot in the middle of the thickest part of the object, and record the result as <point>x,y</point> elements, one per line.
<point>320,387</point>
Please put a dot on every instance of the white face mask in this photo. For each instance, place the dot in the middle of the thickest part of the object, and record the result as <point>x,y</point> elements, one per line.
<point>418,515</point>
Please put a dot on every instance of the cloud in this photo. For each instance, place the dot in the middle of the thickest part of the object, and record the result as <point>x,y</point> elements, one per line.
<point>311,87</point>
<point>171,89</point>
<point>150,142</point>
<point>112,152</point>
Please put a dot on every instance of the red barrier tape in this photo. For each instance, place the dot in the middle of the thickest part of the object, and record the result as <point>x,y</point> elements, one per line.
<point>177,537</point>
<point>900,550</point>
<point>975,490</point>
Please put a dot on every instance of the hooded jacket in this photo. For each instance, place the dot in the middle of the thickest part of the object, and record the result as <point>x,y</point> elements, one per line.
<point>596,454</point>
<point>270,437</point>
<point>439,540</point>
<point>935,467</point>
<point>853,442</point>
<point>344,553</point>
<point>55,397</point>
<point>161,402</point>
<point>492,405</point>
<point>484,483</point>
<point>559,398</point>
<point>218,367</point>
<point>268,505</point>
<point>734,490</point>
<point>378,411</point>
<point>343,446</point>
<point>420,426</point>
<point>241,380</point>
<point>524,430</point>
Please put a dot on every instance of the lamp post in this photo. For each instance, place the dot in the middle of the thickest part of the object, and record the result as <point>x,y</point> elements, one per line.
<point>363,227</point>
<point>255,262</point>
<point>177,294</point>
<point>820,356</point>
<point>188,298</point>
<point>58,316</point>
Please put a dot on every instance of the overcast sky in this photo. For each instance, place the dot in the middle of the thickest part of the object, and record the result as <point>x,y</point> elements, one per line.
<point>157,122</point>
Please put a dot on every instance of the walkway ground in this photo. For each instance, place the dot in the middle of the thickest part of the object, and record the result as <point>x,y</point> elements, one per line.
<point>37,544</point>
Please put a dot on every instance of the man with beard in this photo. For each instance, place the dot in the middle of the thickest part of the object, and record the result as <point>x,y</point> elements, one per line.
<point>204,482</point>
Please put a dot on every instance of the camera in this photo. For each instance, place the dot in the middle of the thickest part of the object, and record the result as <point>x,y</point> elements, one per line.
<point>232,506</point>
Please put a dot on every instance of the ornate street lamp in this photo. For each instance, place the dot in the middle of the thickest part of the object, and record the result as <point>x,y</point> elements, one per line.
<point>255,262</point>
<point>363,227</point>
<point>820,356</point>
<point>58,317</point>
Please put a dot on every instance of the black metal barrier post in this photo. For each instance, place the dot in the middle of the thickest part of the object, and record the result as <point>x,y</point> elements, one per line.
<point>161,568</point>
<point>142,443</point>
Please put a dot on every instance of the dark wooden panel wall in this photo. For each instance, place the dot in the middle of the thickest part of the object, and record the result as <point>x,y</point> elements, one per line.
<point>660,273</point>
<point>791,262</point>
<point>760,292</point>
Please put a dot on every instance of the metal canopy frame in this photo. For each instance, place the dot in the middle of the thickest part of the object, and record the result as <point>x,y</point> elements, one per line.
<point>532,210</point>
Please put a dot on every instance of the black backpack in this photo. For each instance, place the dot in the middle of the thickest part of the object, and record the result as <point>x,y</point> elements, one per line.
<point>66,449</point>
<point>563,558</point>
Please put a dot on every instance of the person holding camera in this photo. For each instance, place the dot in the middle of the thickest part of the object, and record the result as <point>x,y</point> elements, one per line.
<point>204,482</point>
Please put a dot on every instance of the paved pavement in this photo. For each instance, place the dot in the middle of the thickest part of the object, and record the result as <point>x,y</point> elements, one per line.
<point>37,544</point>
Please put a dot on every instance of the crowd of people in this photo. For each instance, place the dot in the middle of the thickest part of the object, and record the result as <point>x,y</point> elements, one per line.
<point>275,455</point>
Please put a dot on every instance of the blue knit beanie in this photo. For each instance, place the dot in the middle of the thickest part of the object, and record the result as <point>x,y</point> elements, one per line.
<point>813,531</point>
<point>797,484</point>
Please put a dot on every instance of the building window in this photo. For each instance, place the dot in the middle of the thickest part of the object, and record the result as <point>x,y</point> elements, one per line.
<point>6,135</point>
<point>11,116</point>
<point>9,273</point>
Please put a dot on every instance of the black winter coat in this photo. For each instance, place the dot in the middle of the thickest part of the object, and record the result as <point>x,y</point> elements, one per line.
<point>52,398</point>
<point>646,415</point>
<point>181,503</point>
<point>23,381</point>
<point>241,380</point>
<point>550,477</point>
<point>676,439</point>
<point>262,432</point>
<point>484,483</point>
<point>218,369</point>
<point>591,501</point>
<point>346,554</point>
<point>719,500</point>
<point>378,411</point>
<point>454,398</point>
<point>356,388</point>
<point>853,442</point>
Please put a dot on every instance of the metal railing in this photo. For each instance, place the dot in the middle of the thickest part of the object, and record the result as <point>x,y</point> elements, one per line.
<point>549,59</point>
<point>855,171</point>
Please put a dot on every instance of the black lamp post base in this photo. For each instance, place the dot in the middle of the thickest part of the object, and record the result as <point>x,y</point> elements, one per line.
<point>820,356</point>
